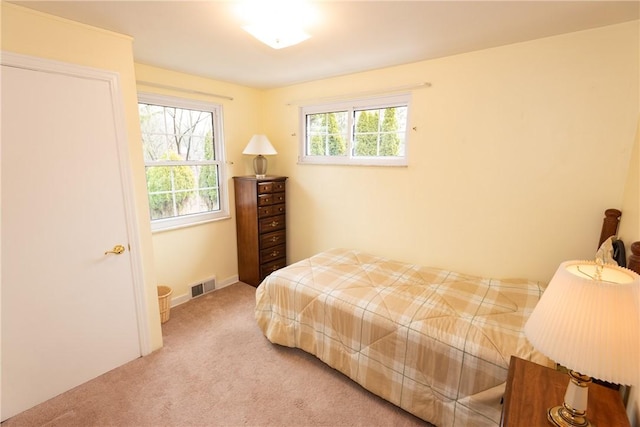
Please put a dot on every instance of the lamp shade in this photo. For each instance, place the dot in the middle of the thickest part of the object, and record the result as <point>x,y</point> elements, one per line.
<point>587,320</point>
<point>259,144</point>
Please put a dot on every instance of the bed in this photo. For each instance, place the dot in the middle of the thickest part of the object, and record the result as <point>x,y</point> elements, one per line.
<point>433,342</point>
<point>436,343</point>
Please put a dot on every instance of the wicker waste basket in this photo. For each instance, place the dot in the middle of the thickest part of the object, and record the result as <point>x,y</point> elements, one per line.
<point>164,301</point>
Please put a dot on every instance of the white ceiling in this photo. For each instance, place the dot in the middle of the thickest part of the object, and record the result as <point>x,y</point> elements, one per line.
<point>205,37</point>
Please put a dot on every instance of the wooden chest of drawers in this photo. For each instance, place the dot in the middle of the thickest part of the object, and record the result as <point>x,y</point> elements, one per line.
<point>260,226</point>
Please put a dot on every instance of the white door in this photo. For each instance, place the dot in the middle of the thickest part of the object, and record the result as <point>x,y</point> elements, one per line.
<point>68,309</point>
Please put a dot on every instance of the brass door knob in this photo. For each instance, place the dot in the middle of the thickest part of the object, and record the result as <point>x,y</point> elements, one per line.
<point>117,249</point>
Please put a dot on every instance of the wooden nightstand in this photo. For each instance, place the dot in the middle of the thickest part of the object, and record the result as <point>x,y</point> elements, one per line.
<point>532,389</point>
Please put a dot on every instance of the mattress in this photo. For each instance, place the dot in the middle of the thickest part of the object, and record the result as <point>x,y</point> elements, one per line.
<point>433,342</point>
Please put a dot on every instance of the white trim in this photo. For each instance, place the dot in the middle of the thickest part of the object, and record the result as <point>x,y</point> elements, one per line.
<point>174,226</point>
<point>112,78</point>
<point>228,281</point>
<point>132,225</point>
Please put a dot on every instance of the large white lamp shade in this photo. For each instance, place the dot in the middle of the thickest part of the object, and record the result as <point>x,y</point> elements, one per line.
<point>588,321</point>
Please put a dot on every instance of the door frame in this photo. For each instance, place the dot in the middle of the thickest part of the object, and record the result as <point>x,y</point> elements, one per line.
<point>112,78</point>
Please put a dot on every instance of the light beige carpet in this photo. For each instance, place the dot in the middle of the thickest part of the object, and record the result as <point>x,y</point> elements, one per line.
<point>217,369</point>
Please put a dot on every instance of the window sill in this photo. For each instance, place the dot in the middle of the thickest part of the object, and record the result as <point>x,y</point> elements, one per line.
<point>189,224</point>
<point>403,164</point>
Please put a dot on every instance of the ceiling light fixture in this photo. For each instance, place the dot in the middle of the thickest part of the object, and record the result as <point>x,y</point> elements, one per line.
<point>277,37</point>
<point>277,23</point>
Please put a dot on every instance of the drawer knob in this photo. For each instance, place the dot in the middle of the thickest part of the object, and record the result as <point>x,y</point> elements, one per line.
<point>274,223</point>
<point>274,239</point>
<point>274,254</point>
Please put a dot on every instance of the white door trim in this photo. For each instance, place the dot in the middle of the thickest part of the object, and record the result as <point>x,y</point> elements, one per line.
<point>113,79</point>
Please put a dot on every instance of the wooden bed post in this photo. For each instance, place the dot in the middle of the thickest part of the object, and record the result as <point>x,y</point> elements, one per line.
<point>634,258</point>
<point>609,224</point>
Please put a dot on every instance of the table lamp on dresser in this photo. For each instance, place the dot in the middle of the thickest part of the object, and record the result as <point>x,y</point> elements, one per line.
<point>588,321</point>
<point>261,146</point>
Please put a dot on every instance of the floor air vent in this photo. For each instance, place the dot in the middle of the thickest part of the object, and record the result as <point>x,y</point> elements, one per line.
<point>203,287</point>
<point>197,290</point>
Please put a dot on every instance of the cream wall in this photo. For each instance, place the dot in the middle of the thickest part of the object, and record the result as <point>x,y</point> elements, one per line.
<point>517,152</point>
<point>190,255</point>
<point>32,33</point>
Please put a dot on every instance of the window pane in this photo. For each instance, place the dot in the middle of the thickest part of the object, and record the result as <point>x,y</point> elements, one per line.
<point>209,147</point>
<point>159,186</point>
<point>210,197</point>
<point>190,129</point>
<point>153,127</point>
<point>168,130</point>
<point>326,134</point>
<point>380,132</point>
<point>173,190</point>
<point>208,186</point>
<point>170,188</point>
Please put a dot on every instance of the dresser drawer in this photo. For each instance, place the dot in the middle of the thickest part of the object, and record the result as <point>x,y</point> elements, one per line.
<point>270,187</point>
<point>265,199</point>
<point>273,223</point>
<point>278,186</point>
<point>270,210</point>
<point>270,199</point>
<point>267,269</point>
<point>278,198</point>
<point>272,239</point>
<point>265,187</point>
<point>270,254</point>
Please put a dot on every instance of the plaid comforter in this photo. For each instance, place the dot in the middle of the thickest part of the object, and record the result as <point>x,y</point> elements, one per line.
<point>434,342</point>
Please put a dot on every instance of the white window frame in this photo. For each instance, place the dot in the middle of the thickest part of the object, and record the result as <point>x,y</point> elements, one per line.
<point>351,106</point>
<point>223,198</point>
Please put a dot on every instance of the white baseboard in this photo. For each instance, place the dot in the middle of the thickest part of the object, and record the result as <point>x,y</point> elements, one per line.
<point>181,299</point>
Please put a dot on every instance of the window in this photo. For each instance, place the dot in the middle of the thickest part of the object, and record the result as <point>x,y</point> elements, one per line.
<point>184,158</point>
<point>359,132</point>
